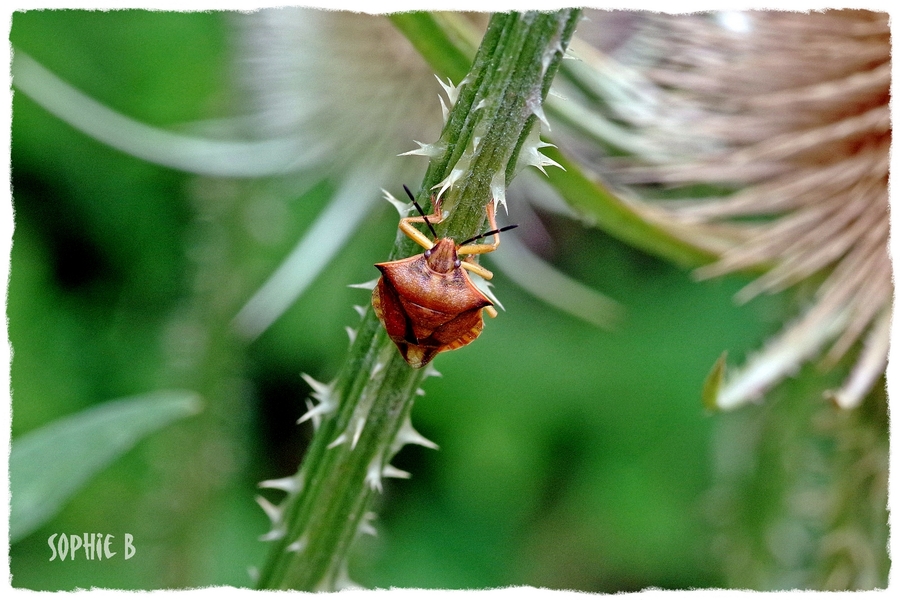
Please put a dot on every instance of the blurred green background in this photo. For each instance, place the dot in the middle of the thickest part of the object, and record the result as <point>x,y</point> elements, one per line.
<point>570,457</point>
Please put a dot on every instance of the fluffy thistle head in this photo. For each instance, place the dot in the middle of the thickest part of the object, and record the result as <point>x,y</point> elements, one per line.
<point>788,114</point>
<point>346,83</point>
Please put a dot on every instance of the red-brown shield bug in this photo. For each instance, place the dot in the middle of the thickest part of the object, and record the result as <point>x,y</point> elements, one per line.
<point>426,302</point>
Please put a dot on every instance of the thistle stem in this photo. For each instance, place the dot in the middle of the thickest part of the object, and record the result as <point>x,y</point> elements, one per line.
<point>365,412</point>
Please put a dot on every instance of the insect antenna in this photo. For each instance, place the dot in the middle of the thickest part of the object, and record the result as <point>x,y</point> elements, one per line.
<point>487,233</point>
<point>421,212</point>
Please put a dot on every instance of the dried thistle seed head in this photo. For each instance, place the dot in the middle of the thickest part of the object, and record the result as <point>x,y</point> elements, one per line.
<point>790,112</point>
<point>348,84</point>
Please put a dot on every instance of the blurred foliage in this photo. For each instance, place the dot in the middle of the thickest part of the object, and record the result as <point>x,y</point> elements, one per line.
<point>73,449</point>
<point>570,457</point>
<point>800,493</point>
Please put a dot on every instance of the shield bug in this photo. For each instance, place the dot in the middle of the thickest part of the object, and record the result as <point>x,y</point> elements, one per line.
<point>426,302</point>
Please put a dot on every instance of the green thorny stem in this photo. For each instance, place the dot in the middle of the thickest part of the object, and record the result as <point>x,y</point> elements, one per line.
<point>363,417</point>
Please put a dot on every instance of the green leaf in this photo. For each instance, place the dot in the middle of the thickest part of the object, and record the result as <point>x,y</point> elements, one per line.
<point>428,32</point>
<point>49,465</point>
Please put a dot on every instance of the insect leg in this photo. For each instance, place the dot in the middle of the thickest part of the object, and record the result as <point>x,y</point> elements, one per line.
<point>485,248</point>
<point>477,269</point>
<point>416,235</point>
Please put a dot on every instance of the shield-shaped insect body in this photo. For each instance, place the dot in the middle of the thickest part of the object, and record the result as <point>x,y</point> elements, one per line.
<point>427,303</point>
